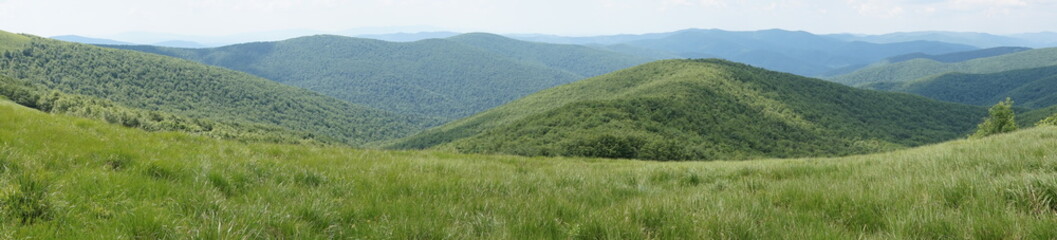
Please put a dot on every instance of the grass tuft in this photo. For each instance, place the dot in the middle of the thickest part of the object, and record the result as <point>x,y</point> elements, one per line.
<point>28,201</point>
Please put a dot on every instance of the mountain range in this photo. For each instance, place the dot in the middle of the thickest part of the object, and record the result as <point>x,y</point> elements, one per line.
<point>800,53</point>
<point>158,83</point>
<point>957,56</point>
<point>445,78</point>
<point>702,109</point>
<point>909,70</point>
<point>982,77</point>
<point>1031,88</point>
<point>982,40</point>
<point>421,83</point>
<point>260,140</point>
<point>803,53</point>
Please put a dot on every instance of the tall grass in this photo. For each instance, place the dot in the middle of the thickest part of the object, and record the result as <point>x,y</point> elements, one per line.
<point>70,178</point>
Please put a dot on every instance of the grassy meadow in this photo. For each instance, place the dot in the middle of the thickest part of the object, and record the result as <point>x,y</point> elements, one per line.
<point>70,178</point>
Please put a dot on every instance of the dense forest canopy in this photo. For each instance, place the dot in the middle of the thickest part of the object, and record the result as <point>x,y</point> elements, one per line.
<point>443,78</point>
<point>158,83</point>
<point>54,101</point>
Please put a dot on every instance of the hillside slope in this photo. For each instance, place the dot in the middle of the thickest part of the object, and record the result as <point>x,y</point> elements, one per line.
<point>53,101</point>
<point>1030,88</point>
<point>702,109</point>
<point>157,83</point>
<point>445,78</point>
<point>920,68</point>
<point>66,178</point>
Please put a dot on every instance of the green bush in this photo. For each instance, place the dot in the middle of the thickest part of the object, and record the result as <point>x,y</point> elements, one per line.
<point>666,150</point>
<point>1050,121</point>
<point>606,146</point>
<point>1001,120</point>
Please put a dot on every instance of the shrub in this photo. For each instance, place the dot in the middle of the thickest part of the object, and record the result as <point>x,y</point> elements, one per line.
<point>605,146</point>
<point>1050,121</point>
<point>665,150</point>
<point>1001,119</point>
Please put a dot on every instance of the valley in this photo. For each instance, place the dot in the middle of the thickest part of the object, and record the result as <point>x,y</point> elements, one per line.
<point>258,129</point>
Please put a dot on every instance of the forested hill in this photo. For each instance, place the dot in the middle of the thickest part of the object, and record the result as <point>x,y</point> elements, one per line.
<point>703,109</point>
<point>959,56</point>
<point>447,78</point>
<point>1030,88</point>
<point>152,82</point>
<point>920,68</point>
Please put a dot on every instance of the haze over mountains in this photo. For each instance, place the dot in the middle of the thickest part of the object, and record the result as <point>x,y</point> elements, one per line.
<point>414,33</point>
<point>789,51</point>
<point>982,40</point>
<point>89,40</point>
<point>799,53</point>
<point>101,41</point>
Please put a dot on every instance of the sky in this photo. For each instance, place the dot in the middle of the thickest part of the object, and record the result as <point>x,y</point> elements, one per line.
<point>103,18</point>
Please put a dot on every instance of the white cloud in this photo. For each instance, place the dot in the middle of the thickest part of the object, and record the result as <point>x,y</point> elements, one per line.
<point>877,8</point>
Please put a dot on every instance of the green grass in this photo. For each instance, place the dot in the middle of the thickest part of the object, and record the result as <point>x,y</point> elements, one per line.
<point>13,42</point>
<point>64,177</point>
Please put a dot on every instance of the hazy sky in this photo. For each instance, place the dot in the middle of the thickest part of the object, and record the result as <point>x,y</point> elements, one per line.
<point>102,18</point>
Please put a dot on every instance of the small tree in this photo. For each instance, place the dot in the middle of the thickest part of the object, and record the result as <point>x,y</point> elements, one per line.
<point>1050,121</point>
<point>1000,120</point>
